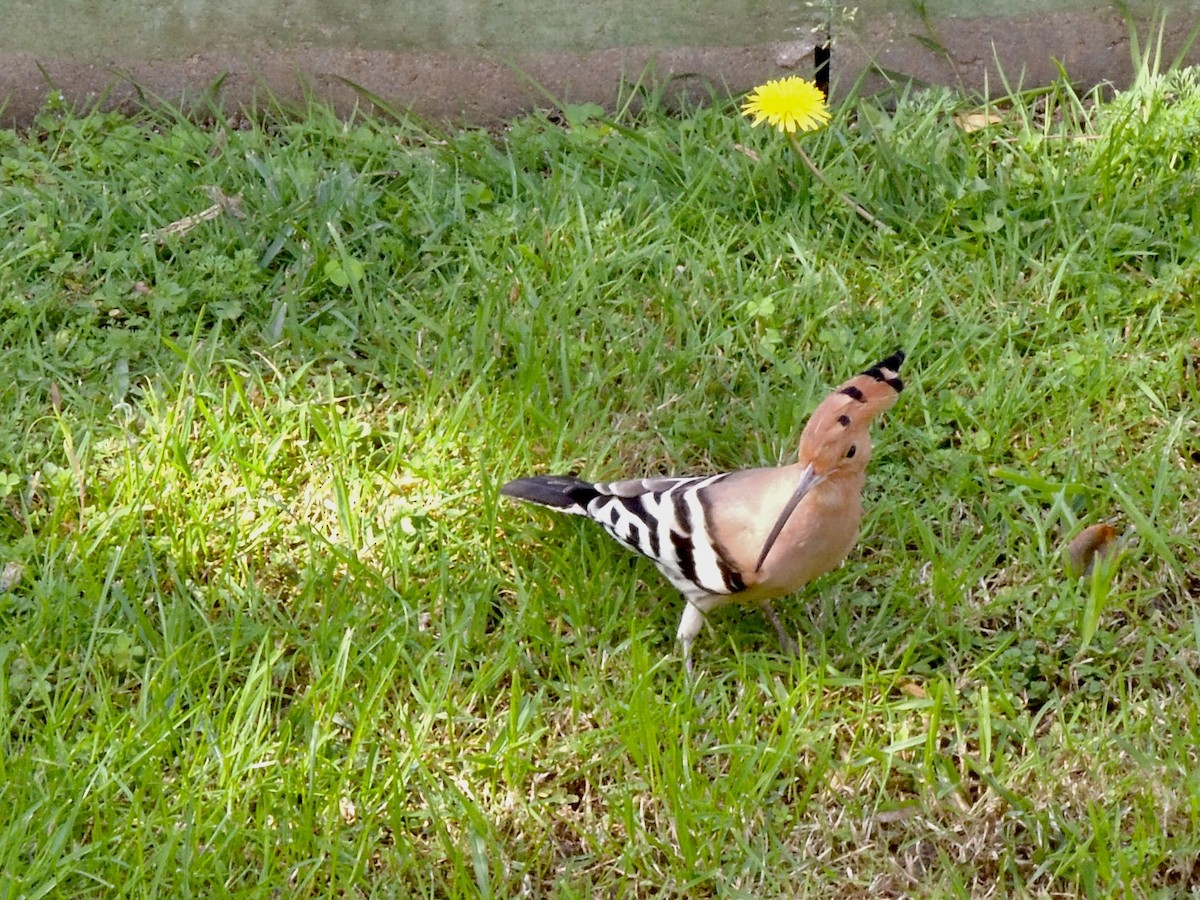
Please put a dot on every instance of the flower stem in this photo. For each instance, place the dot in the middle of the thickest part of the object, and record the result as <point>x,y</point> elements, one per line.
<point>846,198</point>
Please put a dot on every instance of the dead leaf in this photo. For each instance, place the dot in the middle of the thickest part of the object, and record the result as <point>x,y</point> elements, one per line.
<point>225,203</point>
<point>969,122</point>
<point>753,154</point>
<point>1094,542</point>
<point>913,689</point>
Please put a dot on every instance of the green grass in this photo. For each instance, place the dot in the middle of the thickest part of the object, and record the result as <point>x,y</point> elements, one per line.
<point>270,631</point>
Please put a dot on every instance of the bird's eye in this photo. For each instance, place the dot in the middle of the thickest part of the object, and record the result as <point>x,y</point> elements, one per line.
<point>851,451</point>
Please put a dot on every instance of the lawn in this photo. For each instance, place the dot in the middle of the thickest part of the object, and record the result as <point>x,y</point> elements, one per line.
<point>267,629</point>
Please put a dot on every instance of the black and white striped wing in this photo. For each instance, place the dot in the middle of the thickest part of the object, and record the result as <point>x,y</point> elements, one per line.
<point>667,519</point>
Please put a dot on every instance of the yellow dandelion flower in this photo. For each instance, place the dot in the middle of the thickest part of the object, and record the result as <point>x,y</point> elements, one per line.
<point>788,104</point>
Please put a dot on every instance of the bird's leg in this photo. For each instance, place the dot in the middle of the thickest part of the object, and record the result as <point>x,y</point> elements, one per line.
<point>689,626</point>
<point>789,643</point>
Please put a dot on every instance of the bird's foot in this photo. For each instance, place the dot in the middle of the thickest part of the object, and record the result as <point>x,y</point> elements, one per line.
<point>789,643</point>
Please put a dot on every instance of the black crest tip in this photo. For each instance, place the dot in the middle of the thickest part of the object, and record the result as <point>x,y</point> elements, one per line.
<point>885,370</point>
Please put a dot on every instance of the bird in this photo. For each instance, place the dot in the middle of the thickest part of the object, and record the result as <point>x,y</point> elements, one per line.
<point>747,536</point>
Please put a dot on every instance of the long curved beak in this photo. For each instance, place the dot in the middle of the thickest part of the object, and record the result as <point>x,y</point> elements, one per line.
<point>809,479</point>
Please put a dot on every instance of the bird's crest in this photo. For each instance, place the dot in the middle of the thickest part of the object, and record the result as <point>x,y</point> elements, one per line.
<point>861,398</point>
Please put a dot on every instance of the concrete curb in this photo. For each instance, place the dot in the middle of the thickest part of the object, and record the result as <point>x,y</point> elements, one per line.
<point>478,87</point>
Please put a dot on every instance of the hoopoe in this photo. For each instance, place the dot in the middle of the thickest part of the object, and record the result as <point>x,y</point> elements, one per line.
<point>746,536</point>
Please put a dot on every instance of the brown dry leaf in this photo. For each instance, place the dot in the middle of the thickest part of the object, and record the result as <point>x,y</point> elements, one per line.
<point>753,154</point>
<point>901,814</point>
<point>230,203</point>
<point>1094,542</point>
<point>913,689</point>
<point>969,122</point>
<point>224,203</point>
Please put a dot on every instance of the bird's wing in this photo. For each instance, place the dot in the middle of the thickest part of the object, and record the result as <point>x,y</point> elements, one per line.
<point>668,520</point>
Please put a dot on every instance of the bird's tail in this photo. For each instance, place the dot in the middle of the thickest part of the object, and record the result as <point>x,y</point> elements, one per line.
<point>562,493</point>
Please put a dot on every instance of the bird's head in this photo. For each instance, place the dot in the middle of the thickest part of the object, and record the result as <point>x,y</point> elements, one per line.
<point>837,437</point>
